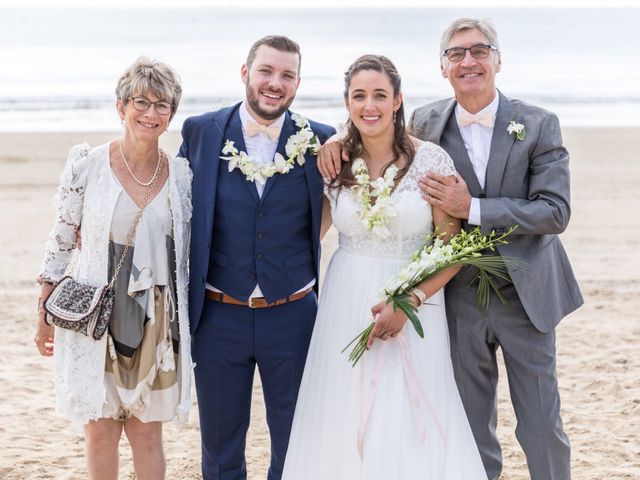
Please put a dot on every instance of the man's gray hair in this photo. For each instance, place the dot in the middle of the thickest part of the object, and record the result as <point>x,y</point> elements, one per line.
<point>467,23</point>
<point>150,76</point>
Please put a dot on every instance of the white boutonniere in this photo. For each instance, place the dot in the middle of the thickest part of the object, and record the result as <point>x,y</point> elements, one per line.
<point>295,148</point>
<point>516,130</point>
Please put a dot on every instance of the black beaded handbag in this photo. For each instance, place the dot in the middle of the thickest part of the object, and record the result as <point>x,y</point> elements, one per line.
<point>80,307</point>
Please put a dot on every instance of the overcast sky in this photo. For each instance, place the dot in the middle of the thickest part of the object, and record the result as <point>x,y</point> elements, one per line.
<point>323,3</point>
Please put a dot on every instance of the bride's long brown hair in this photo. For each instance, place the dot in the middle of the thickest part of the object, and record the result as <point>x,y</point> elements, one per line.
<point>352,144</point>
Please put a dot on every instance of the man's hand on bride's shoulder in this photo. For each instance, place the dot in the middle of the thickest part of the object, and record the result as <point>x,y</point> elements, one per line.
<point>331,156</point>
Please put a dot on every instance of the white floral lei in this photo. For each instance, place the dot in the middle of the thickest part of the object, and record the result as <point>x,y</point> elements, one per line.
<point>374,217</point>
<point>296,147</point>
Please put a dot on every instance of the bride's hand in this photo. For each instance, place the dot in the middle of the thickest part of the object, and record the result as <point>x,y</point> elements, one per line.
<point>387,322</point>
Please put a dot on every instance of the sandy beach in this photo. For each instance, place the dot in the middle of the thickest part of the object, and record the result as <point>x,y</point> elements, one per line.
<point>598,346</point>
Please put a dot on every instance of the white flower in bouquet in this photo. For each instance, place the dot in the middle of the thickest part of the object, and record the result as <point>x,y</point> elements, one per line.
<point>465,248</point>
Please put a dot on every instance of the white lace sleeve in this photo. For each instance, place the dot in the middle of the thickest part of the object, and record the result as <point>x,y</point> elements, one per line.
<point>432,158</point>
<point>62,237</point>
<point>429,158</point>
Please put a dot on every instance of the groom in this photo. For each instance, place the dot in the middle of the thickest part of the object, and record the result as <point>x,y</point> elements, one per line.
<point>254,258</point>
<point>505,179</point>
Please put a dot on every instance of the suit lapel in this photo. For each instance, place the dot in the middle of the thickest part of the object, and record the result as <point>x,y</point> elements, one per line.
<point>212,148</point>
<point>446,120</point>
<point>437,122</point>
<point>234,132</point>
<point>501,144</point>
<point>288,129</point>
<point>458,152</point>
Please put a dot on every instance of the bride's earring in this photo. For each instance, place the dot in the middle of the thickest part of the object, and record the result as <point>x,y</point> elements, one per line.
<point>394,116</point>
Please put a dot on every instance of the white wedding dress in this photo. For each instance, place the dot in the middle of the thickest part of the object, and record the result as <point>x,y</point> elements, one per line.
<point>397,414</point>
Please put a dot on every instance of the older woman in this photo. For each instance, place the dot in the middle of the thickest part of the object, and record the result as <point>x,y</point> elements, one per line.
<point>138,374</point>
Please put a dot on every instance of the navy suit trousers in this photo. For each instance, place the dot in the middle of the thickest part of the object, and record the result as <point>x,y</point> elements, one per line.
<point>227,345</point>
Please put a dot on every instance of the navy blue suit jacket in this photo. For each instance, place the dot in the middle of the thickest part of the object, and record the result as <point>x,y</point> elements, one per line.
<point>203,140</point>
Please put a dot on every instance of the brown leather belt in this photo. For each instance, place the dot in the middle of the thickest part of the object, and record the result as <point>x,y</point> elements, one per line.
<point>256,302</point>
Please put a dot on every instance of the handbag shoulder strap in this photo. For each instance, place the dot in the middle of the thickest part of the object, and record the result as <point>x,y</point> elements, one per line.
<point>132,232</point>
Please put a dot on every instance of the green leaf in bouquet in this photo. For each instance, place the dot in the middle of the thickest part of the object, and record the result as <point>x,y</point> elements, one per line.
<point>359,345</point>
<point>490,267</point>
<point>403,302</point>
<point>467,248</point>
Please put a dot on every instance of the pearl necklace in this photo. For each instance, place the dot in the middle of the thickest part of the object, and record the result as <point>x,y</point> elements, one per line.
<point>135,179</point>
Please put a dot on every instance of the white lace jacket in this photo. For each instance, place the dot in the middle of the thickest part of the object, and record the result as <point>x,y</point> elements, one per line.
<point>86,199</point>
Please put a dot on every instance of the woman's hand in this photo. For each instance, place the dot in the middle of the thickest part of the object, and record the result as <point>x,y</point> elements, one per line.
<point>44,333</point>
<point>387,322</point>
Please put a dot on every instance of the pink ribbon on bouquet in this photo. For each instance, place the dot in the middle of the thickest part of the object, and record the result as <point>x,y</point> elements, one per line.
<point>416,395</point>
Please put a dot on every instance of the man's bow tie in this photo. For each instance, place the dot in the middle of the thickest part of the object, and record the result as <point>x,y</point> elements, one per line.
<point>466,119</point>
<point>252,129</point>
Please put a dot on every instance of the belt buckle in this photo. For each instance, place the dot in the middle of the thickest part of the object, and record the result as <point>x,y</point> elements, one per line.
<point>250,302</point>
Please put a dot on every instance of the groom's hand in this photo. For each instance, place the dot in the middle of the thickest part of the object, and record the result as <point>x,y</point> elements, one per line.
<point>450,194</point>
<point>331,156</point>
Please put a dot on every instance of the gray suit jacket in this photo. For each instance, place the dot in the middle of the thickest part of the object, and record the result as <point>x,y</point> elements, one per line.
<point>527,184</point>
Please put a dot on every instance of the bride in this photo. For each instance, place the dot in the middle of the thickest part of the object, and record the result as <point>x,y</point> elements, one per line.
<point>397,413</point>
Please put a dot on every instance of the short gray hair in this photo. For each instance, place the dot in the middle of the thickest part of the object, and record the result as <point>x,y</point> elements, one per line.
<point>146,75</point>
<point>466,23</point>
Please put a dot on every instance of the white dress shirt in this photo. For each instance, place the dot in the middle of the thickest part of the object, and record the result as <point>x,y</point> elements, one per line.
<point>477,141</point>
<point>262,150</point>
<point>260,147</point>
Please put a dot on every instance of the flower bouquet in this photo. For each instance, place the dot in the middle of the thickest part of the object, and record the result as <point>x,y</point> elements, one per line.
<point>465,248</point>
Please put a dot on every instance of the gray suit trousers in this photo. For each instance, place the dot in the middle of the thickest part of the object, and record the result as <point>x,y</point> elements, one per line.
<point>529,357</point>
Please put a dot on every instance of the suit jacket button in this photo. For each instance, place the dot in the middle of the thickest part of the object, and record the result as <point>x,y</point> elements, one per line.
<point>260,214</point>
<point>252,276</point>
<point>259,235</point>
<point>258,256</point>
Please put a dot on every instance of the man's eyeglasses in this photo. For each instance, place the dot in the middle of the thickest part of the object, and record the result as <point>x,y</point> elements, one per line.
<point>142,105</point>
<point>479,52</point>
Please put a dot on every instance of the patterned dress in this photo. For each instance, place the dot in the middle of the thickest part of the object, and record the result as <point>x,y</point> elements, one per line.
<point>140,370</point>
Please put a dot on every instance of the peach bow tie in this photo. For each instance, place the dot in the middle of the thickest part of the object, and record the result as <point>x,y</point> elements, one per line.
<point>466,119</point>
<point>252,129</point>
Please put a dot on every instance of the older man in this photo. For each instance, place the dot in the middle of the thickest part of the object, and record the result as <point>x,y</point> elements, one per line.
<point>513,170</point>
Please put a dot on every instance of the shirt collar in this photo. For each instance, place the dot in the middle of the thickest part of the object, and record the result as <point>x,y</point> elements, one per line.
<point>246,117</point>
<point>492,108</point>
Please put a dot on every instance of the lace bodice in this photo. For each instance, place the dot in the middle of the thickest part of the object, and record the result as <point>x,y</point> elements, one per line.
<point>413,220</point>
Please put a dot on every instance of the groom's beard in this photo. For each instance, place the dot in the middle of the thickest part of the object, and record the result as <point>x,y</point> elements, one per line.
<point>254,102</point>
